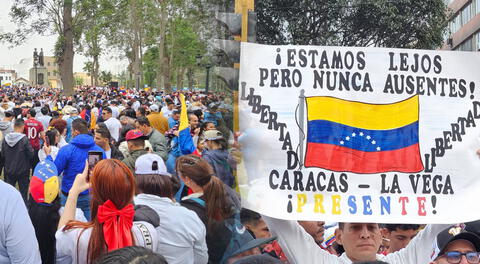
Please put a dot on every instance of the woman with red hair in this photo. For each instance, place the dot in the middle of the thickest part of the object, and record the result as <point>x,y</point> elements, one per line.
<point>112,188</point>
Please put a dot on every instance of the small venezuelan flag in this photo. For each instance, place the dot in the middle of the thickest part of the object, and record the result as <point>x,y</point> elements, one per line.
<point>363,138</point>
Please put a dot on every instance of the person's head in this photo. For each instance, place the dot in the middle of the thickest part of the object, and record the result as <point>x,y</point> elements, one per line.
<point>255,259</point>
<point>143,124</point>
<point>208,126</point>
<point>132,255</point>
<point>254,223</point>
<point>193,121</point>
<point>459,251</point>
<point>458,244</point>
<point>9,115</point>
<point>19,125</point>
<point>106,112</point>
<point>214,140</point>
<point>135,140</point>
<point>100,125</point>
<point>43,205</point>
<point>44,110</point>
<point>170,105</point>
<point>152,177</point>
<point>31,113</point>
<point>130,113</point>
<point>316,229</point>
<point>53,136</point>
<point>154,108</point>
<point>141,111</point>
<point>399,235</point>
<point>60,125</point>
<point>176,114</point>
<point>199,175</point>
<point>361,241</point>
<point>102,138</point>
<point>79,126</point>
<point>112,185</point>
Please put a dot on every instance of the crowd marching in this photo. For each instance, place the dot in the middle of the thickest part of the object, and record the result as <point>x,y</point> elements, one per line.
<point>126,176</point>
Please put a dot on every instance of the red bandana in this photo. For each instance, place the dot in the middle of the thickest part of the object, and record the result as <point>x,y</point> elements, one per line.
<point>117,224</point>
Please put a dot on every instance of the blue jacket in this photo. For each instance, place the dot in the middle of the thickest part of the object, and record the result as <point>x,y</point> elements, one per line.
<point>72,157</point>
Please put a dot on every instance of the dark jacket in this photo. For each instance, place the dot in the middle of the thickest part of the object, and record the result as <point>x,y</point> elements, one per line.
<point>222,164</point>
<point>71,159</point>
<point>115,153</point>
<point>218,236</point>
<point>130,160</point>
<point>17,154</point>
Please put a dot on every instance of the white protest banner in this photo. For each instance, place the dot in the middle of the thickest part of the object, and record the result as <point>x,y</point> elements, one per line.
<point>360,134</point>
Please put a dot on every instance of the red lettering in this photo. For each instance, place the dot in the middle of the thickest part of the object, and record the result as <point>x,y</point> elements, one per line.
<point>403,201</point>
<point>421,206</point>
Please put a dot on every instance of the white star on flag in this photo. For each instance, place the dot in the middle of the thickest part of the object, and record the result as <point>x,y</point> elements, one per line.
<point>369,137</point>
<point>347,138</point>
<point>374,142</point>
<point>378,148</point>
<point>341,142</point>
<point>353,134</point>
<point>361,134</point>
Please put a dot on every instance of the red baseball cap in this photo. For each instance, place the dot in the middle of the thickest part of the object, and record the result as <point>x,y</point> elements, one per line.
<point>134,134</point>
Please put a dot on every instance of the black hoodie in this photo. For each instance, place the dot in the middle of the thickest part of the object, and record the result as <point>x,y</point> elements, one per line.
<point>17,154</point>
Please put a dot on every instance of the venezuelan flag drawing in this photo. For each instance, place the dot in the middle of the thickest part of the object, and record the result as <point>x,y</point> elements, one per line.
<point>363,138</point>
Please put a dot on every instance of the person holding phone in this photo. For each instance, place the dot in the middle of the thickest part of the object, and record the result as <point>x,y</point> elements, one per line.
<point>71,160</point>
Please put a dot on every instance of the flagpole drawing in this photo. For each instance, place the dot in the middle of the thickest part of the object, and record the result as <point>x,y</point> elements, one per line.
<point>300,117</point>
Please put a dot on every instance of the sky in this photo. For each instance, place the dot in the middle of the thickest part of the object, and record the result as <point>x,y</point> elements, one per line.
<point>10,58</point>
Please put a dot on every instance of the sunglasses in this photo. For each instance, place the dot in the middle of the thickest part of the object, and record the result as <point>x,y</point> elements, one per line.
<point>454,257</point>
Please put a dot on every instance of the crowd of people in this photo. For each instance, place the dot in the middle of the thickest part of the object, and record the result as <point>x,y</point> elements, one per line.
<point>163,190</point>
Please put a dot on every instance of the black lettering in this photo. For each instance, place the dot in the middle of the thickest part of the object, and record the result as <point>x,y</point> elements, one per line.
<point>291,57</point>
<point>263,76</point>
<point>292,160</point>
<point>298,181</point>
<point>285,182</point>
<point>273,174</point>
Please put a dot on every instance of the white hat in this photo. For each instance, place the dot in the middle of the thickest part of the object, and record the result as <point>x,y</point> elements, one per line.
<point>150,164</point>
<point>154,108</point>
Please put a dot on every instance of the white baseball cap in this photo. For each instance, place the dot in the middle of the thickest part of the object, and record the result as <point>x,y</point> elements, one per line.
<point>150,164</point>
<point>154,108</point>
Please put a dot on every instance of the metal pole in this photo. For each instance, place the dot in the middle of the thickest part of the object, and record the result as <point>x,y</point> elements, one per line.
<point>301,122</point>
<point>207,81</point>
<point>36,76</point>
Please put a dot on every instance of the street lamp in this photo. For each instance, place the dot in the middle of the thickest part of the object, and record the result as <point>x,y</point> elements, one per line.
<point>208,66</point>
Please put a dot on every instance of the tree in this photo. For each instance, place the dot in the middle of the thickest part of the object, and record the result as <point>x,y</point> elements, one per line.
<point>106,77</point>
<point>379,23</point>
<point>150,65</point>
<point>61,17</point>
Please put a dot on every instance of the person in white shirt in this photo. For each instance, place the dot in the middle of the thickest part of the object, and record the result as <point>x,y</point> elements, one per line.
<point>112,188</point>
<point>115,111</point>
<point>181,233</point>
<point>18,243</point>
<point>112,123</point>
<point>361,242</point>
<point>168,109</point>
<point>44,118</point>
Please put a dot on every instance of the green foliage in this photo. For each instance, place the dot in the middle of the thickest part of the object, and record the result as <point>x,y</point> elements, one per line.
<point>150,66</point>
<point>106,76</point>
<point>381,23</point>
<point>78,80</point>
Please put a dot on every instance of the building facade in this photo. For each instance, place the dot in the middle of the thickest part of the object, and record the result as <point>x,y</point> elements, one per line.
<point>463,33</point>
<point>53,72</point>
<point>7,77</point>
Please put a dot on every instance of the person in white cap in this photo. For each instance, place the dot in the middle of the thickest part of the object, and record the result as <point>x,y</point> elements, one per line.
<point>181,233</point>
<point>157,120</point>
